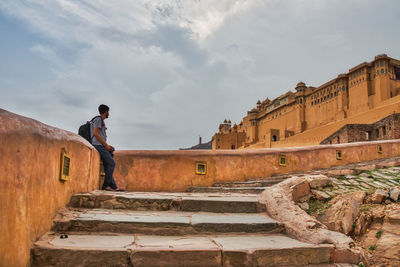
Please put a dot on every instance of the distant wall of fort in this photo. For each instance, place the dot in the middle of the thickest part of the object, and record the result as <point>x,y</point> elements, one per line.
<point>176,170</point>
<point>387,128</point>
<point>30,190</point>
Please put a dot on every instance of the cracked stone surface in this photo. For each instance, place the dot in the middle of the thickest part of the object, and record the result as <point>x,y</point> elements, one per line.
<point>163,222</point>
<point>210,202</point>
<point>217,250</point>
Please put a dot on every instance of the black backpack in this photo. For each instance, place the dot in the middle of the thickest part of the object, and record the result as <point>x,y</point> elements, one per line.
<point>84,130</point>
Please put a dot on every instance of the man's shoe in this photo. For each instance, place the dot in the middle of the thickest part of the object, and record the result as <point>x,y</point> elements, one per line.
<point>108,189</point>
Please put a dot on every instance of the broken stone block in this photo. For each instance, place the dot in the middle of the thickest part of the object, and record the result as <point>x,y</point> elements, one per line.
<point>343,212</point>
<point>394,217</point>
<point>379,196</point>
<point>394,193</point>
<point>339,172</point>
<point>366,167</point>
<point>320,195</point>
<point>304,206</point>
<point>319,181</point>
<point>365,174</point>
<point>362,223</point>
<point>301,192</point>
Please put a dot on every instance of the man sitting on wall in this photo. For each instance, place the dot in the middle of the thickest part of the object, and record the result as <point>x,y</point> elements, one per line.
<point>99,141</point>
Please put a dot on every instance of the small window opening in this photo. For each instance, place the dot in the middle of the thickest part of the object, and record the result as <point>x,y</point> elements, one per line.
<point>338,154</point>
<point>201,168</point>
<point>282,160</point>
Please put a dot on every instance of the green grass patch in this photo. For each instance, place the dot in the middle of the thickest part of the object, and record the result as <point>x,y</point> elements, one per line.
<point>365,207</point>
<point>372,247</point>
<point>317,206</point>
<point>370,191</point>
<point>389,174</point>
<point>379,233</point>
<point>342,178</point>
<point>361,264</point>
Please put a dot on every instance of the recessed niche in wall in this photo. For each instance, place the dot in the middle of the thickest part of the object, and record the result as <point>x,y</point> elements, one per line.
<point>282,160</point>
<point>339,154</point>
<point>65,166</point>
<point>201,168</point>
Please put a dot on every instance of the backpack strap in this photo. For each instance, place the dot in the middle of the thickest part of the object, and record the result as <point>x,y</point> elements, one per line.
<point>102,121</point>
<point>102,124</point>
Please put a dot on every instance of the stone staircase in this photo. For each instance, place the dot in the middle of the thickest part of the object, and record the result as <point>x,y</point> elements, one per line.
<point>254,186</point>
<point>171,229</point>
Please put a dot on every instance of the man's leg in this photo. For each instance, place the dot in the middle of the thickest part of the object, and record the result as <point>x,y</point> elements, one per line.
<point>109,165</point>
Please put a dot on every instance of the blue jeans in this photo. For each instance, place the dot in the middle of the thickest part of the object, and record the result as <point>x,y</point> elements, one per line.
<point>109,165</point>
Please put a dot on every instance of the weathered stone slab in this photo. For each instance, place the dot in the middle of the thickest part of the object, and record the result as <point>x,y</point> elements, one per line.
<point>82,250</point>
<point>164,222</point>
<point>175,251</point>
<point>394,193</point>
<point>320,195</point>
<point>247,190</point>
<point>211,202</point>
<point>292,257</point>
<point>366,167</point>
<point>394,217</point>
<point>219,204</point>
<point>382,185</point>
<point>142,250</point>
<point>365,174</point>
<point>273,250</point>
<point>89,241</point>
<point>249,223</point>
<point>379,196</point>
<point>301,192</point>
<point>319,181</point>
<point>343,212</point>
<point>339,172</point>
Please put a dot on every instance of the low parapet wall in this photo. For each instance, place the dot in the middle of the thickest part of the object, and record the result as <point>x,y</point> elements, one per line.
<point>30,190</point>
<point>176,170</point>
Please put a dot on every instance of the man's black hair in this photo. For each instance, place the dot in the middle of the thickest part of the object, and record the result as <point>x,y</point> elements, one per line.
<point>103,108</point>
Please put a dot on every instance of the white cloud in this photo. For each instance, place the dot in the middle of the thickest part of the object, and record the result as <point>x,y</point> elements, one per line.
<point>48,53</point>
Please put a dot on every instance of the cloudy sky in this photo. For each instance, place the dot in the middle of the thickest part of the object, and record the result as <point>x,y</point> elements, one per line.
<point>172,70</point>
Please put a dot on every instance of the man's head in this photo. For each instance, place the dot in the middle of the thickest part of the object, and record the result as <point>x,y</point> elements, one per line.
<point>104,109</point>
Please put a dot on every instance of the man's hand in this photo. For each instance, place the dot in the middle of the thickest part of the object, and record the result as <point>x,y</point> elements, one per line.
<point>110,148</point>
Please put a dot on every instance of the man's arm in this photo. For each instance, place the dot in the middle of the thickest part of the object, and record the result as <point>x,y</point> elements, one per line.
<point>100,139</point>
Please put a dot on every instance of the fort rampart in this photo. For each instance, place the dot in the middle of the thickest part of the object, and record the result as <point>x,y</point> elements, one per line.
<point>31,192</point>
<point>174,171</point>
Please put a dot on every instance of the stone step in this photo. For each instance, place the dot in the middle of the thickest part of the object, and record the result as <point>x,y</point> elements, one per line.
<point>160,251</point>
<point>162,222</point>
<point>252,183</point>
<point>207,202</point>
<point>212,189</point>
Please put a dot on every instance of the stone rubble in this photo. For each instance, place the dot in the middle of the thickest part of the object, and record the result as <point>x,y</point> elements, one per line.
<point>394,193</point>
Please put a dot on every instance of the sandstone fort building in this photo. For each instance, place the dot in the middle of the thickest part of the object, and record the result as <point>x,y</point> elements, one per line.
<point>352,107</point>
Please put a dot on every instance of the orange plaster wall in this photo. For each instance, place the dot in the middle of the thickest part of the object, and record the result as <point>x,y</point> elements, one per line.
<point>175,170</point>
<point>30,190</point>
